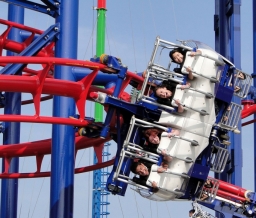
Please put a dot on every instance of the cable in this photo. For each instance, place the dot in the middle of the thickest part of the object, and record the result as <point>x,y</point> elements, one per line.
<point>156,209</point>
<point>40,190</point>
<point>132,36</point>
<point>120,206</point>
<point>108,41</point>
<point>89,179</point>
<point>81,158</point>
<point>144,38</point>
<point>136,204</point>
<point>153,19</point>
<point>150,208</point>
<point>91,38</point>
<point>114,41</point>
<point>168,209</point>
<point>23,164</point>
<point>175,21</point>
<point>31,197</point>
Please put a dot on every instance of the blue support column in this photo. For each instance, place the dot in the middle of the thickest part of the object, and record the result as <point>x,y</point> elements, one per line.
<point>228,44</point>
<point>63,148</point>
<point>235,57</point>
<point>254,81</point>
<point>9,187</point>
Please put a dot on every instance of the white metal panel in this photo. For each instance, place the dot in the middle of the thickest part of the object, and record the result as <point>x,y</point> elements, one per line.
<point>180,148</point>
<point>185,123</point>
<point>197,101</point>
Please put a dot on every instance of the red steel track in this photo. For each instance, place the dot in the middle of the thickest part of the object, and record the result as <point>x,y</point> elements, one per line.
<point>39,82</point>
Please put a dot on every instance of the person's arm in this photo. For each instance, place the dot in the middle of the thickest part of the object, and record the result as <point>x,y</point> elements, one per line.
<point>165,101</point>
<point>161,169</point>
<point>154,187</point>
<point>194,53</point>
<point>150,148</point>
<point>190,75</point>
<point>180,107</point>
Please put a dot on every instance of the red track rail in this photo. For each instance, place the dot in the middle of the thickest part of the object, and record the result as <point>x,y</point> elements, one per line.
<point>39,84</point>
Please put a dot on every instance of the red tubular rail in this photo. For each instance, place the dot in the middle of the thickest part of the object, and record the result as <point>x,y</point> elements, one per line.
<point>230,196</point>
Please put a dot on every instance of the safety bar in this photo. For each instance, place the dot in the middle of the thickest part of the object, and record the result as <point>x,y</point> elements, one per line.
<point>212,79</point>
<point>217,61</point>
<point>207,94</point>
<point>184,175</point>
<point>202,112</point>
<point>193,142</point>
<point>186,159</point>
<point>143,151</point>
<point>156,104</point>
<point>175,191</point>
<point>132,183</point>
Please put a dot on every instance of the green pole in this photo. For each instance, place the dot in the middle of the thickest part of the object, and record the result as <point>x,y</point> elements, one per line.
<point>98,110</point>
<point>100,48</point>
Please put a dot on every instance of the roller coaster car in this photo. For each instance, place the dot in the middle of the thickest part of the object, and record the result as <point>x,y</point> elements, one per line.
<point>204,125</point>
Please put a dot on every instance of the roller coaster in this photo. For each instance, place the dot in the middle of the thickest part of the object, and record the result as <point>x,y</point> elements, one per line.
<point>202,144</point>
<point>209,115</point>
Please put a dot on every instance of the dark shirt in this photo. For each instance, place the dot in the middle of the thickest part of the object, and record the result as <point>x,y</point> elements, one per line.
<point>142,180</point>
<point>171,86</point>
<point>151,147</point>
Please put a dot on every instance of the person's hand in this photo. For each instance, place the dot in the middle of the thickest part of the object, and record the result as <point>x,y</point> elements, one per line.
<point>169,135</point>
<point>154,184</point>
<point>193,54</point>
<point>188,69</point>
<point>144,74</point>
<point>187,86</point>
<point>163,152</point>
<point>177,101</point>
<point>161,169</point>
<point>164,165</point>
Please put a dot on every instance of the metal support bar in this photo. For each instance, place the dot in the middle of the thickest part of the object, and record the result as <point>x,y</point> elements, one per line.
<point>52,8</point>
<point>32,49</point>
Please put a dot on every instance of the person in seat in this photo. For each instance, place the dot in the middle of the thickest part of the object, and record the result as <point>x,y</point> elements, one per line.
<point>153,137</point>
<point>143,168</point>
<point>166,91</point>
<point>178,56</point>
<point>191,212</point>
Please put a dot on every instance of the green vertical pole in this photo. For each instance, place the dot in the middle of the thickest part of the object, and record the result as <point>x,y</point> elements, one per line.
<point>100,48</point>
<point>98,110</point>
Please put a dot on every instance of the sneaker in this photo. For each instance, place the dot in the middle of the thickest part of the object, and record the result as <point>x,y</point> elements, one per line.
<point>82,131</point>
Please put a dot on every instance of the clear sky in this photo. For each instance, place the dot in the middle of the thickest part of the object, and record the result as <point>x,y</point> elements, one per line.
<point>132,27</point>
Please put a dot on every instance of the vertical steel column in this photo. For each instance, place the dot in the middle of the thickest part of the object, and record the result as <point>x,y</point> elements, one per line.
<point>9,187</point>
<point>254,81</point>
<point>63,148</point>
<point>221,43</point>
<point>228,43</point>
<point>98,111</point>
<point>235,57</point>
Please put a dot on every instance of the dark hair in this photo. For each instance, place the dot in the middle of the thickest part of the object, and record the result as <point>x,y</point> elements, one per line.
<point>134,166</point>
<point>163,85</point>
<point>148,132</point>
<point>240,72</point>
<point>180,50</point>
<point>192,211</point>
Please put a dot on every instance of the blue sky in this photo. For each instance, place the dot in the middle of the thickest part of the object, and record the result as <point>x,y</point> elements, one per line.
<point>132,27</point>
